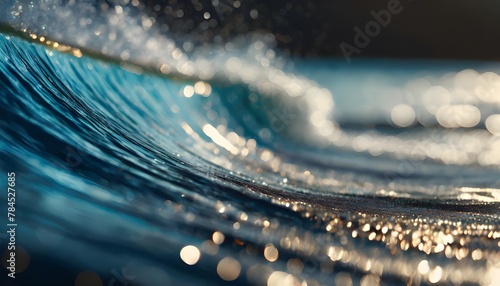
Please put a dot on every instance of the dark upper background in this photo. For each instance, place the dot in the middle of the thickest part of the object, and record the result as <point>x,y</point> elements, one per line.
<point>424,29</point>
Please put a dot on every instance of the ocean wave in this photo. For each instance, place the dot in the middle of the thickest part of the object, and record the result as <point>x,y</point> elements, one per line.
<point>255,171</point>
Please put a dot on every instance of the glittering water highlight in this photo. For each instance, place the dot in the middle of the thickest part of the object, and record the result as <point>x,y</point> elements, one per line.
<point>240,166</point>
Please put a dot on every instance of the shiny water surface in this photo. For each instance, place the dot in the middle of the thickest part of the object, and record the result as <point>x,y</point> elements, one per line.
<point>228,162</point>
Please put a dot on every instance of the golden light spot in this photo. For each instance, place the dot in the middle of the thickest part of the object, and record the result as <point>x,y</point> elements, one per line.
<point>228,269</point>
<point>335,253</point>
<point>403,115</point>
<point>370,280</point>
<point>477,254</point>
<point>165,69</point>
<point>244,151</point>
<point>453,116</point>
<point>271,253</point>
<point>188,91</point>
<point>423,267</point>
<point>202,88</point>
<point>493,124</point>
<point>218,237</point>
<point>343,278</point>
<point>218,139</point>
<point>462,253</point>
<point>438,248</point>
<point>177,54</point>
<point>372,236</point>
<point>118,9</point>
<point>77,53</point>
<point>266,155</point>
<point>435,275</point>
<point>190,254</point>
<point>243,216</point>
<point>366,227</point>
<point>88,278</point>
<point>276,278</point>
<point>492,275</point>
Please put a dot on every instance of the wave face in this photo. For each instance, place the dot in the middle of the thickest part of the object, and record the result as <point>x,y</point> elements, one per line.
<point>240,166</point>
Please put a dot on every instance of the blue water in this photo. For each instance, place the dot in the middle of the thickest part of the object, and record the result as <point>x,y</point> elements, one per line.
<point>118,170</point>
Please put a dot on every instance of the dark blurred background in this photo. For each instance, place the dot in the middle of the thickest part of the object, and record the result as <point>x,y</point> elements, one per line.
<point>424,29</point>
